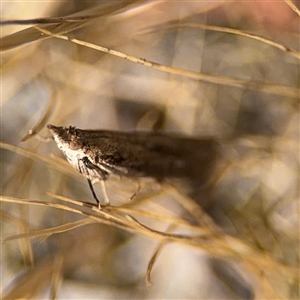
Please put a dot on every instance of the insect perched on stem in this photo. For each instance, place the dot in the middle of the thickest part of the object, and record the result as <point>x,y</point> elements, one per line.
<point>97,154</point>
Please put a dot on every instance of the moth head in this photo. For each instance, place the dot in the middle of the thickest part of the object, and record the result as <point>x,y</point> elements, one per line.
<point>69,140</point>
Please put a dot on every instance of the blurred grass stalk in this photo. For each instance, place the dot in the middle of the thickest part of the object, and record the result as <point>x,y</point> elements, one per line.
<point>239,85</point>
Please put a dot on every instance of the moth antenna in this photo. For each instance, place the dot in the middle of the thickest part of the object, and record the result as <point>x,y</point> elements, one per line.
<point>138,188</point>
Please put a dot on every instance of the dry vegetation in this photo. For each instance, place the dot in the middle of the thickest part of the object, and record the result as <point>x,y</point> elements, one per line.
<point>227,70</point>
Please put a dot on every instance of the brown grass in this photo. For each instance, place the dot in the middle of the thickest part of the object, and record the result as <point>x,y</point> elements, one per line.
<point>214,69</point>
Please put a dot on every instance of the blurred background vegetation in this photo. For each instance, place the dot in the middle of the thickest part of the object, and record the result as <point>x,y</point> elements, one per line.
<point>236,239</point>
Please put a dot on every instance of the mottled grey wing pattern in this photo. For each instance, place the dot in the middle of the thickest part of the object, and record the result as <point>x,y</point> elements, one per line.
<point>155,155</point>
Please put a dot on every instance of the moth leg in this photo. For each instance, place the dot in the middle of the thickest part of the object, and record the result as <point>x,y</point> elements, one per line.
<point>136,192</point>
<point>104,191</point>
<point>102,174</point>
<point>93,192</point>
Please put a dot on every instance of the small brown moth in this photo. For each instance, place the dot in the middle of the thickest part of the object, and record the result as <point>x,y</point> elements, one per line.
<point>97,154</point>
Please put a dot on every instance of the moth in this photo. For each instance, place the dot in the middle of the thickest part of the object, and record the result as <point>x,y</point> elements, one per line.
<point>98,154</point>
